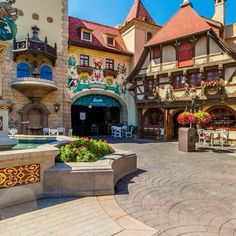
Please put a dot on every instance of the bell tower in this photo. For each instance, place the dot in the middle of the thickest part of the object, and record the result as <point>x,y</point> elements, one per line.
<point>220,11</point>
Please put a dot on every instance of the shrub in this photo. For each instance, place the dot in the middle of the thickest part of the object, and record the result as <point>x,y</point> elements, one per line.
<point>84,150</point>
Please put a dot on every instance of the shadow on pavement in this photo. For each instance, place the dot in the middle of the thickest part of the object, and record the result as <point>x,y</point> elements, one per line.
<point>31,206</point>
<point>121,187</point>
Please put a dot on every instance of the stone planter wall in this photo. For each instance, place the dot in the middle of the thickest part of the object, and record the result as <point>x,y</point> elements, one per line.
<point>89,179</point>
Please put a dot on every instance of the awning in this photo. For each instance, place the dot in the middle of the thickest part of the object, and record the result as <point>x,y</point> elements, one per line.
<point>97,101</point>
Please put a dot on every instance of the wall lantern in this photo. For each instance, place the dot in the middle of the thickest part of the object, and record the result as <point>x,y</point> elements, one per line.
<point>57,107</point>
<point>90,106</point>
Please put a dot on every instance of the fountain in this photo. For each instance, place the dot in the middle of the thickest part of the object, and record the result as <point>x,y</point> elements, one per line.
<point>5,141</point>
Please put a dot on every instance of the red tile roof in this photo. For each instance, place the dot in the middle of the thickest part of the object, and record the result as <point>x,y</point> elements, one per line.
<point>138,11</point>
<point>185,22</point>
<point>98,39</point>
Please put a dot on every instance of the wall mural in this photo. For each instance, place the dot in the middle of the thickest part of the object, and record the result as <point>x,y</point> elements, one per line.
<point>94,77</point>
<point>8,16</point>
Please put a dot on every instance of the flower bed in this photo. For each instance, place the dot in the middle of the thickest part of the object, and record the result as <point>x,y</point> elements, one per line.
<point>84,150</point>
<point>200,117</point>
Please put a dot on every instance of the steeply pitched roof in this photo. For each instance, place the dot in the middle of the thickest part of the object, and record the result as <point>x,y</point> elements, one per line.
<point>138,11</point>
<point>185,22</point>
<point>98,40</point>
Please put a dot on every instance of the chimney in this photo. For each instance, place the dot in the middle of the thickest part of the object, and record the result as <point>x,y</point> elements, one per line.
<point>219,11</point>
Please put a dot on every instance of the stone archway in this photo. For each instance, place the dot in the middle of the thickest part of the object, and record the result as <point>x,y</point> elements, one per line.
<point>34,117</point>
<point>123,108</point>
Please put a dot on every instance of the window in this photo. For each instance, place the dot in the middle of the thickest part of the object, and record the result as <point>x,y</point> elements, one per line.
<point>222,117</point>
<point>185,55</point>
<point>22,70</point>
<point>194,80</point>
<point>150,86</point>
<point>86,35</point>
<point>84,60</point>
<point>149,36</point>
<point>109,64</point>
<point>46,73</point>
<point>156,53</point>
<point>178,82</point>
<point>212,75</point>
<point>110,41</point>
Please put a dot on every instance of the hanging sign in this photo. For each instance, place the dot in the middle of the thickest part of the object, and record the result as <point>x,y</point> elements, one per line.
<point>1,123</point>
<point>82,116</point>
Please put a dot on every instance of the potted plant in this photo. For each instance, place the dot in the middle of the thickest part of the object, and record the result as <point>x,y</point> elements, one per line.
<point>202,118</point>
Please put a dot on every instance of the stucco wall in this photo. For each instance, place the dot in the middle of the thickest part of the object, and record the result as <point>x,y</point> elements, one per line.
<point>44,9</point>
<point>169,54</point>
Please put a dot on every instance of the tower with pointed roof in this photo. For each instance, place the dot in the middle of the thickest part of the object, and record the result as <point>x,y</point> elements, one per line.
<point>138,28</point>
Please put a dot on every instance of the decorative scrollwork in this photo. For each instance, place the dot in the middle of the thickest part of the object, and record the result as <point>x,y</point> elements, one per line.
<point>20,175</point>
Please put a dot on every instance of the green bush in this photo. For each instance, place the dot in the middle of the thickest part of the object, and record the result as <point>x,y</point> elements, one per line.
<point>84,150</point>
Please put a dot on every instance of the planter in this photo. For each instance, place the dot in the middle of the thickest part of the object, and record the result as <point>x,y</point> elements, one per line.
<point>187,139</point>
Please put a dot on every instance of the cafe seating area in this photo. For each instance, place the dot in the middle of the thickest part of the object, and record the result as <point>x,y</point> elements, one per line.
<point>218,137</point>
<point>122,131</point>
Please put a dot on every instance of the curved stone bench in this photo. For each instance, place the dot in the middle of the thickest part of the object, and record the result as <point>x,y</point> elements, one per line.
<point>89,179</point>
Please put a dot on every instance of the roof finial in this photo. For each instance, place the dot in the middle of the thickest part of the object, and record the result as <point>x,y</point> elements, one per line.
<point>186,3</point>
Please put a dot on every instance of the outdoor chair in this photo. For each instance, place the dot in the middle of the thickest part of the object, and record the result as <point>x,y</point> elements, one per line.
<point>53,132</point>
<point>61,130</point>
<point>223,136</point>
<point>124,130</point>
<point>206,136</point>
<point>70,132</point>
<point>45,131</point>
<point>113,129</point>
<point>13,131</point>
<point>118,132</point>
<point>129,134</point>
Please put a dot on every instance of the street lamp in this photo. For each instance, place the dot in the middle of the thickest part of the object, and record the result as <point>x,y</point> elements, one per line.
<point>193,94</point>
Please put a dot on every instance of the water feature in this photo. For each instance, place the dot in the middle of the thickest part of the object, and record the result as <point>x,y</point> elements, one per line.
<point>5,141</point>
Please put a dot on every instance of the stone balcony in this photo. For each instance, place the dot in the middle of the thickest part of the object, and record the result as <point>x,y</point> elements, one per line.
<point>34,88</point>
<point>87,69</point>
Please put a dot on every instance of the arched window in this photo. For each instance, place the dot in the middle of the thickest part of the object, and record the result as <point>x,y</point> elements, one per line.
<point>22,70</point>
<point>223,117</point>
<point>185,55</point>
<point>149,36</point>
<point>46,73</point>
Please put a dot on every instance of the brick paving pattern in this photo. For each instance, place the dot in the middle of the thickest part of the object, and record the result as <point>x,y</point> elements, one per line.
<point>181,193</point>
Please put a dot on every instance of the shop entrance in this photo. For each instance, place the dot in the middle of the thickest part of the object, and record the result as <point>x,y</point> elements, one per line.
<point>94,115</point>
<point>176,124</point>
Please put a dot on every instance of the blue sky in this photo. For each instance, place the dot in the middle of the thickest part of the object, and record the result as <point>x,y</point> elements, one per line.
<point>113,12</point>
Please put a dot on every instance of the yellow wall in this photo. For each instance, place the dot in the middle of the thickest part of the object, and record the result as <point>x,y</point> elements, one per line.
<point>44,8</point>
<point>96,54</point>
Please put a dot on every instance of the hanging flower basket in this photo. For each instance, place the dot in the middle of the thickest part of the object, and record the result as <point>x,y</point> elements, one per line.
<point>186,118</point>
<point>202,117</point>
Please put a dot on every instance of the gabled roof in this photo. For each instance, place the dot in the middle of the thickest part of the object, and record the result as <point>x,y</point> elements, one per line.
<point>138,11</point>
<point>185,22</point>
<point>98,40</point>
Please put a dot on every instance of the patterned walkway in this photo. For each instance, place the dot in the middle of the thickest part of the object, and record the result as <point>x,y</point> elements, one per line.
<point>189,194</point>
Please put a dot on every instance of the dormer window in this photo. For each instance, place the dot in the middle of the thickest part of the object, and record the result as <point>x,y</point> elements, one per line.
<point>109,39</point>
<point>86,34</point>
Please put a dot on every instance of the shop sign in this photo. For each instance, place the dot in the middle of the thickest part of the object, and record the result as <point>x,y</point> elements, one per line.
<point>82,116</point>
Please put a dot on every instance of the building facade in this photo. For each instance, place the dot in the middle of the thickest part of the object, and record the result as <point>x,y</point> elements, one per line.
<point>100,58</point>
<point>190,57</point>
<point>34,70</point>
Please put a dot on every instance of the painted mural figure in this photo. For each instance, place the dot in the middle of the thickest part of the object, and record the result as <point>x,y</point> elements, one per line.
<point>72,79</point>
<point>97,71</point>
<point>121,68</point>
<point>8,16</point>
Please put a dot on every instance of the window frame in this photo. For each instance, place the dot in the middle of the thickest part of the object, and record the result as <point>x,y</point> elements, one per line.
<point>196,74</point>
<point>113,41</point>
<point>214,77</point>
<point>185,54</point>
<point>109,64</point>
<point>174,81</point>
<point>83,59</point>
<point>84,31</point>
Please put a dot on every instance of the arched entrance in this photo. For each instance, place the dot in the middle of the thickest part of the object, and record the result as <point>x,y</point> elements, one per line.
<point>94,113</point>
<point>152,121</point>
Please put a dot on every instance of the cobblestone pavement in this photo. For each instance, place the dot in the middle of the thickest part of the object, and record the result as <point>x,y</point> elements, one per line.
<point>181,193</point>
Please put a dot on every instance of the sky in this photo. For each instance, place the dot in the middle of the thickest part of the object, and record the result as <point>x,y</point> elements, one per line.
<point>113,12</point>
